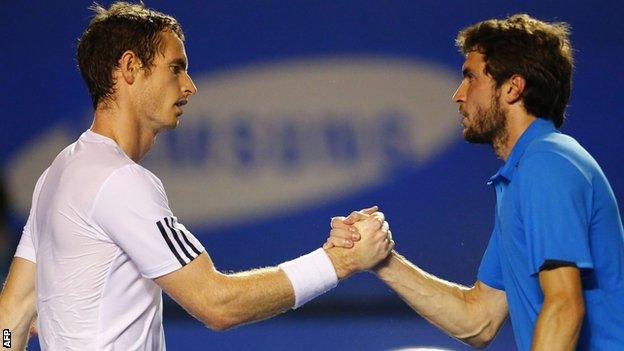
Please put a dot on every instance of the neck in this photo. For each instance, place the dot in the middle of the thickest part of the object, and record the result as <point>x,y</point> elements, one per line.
<point>517,123</point>
<point>126,130</point>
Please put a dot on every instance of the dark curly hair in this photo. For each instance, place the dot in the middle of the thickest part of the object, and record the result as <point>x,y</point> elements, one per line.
<point>111,32</point>
<point>538,51</point>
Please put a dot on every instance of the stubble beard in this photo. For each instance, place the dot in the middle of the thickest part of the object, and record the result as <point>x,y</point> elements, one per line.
<point>489,126</point>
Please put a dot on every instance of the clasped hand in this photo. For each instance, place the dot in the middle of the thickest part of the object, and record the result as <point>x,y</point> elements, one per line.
<point>365,234</point>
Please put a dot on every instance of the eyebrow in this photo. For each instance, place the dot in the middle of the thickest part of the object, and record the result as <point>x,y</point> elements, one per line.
<point>180,62</point>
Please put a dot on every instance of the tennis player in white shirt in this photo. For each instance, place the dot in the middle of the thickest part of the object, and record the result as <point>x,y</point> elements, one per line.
<point>101,242</point>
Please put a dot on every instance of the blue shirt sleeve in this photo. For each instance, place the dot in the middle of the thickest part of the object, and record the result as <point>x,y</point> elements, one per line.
<point>555,206</point>
<point>490,271</point>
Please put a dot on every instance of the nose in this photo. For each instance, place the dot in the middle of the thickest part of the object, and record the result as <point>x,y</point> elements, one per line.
<point>460,94</point>
<point>189,86</point>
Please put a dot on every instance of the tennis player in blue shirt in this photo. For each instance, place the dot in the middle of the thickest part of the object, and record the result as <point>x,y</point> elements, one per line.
<point>555,258</point>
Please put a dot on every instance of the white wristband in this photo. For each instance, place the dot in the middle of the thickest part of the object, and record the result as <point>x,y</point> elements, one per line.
<point>310,275</point>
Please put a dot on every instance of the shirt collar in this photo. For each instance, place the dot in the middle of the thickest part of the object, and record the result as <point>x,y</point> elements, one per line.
<point>537,128</point>
<point>92,136</point>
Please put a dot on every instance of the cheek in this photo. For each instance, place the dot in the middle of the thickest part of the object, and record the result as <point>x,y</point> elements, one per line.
<point>170,89</point>
<point>478,97</point>
<point>150,100</point>
<point>149,97</point>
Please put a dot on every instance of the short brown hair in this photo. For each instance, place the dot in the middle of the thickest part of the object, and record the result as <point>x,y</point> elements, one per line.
<point>538,51</point>
<point>113,31</point>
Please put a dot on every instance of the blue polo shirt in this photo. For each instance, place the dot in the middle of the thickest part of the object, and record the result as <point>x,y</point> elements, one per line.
<point>553,202</point>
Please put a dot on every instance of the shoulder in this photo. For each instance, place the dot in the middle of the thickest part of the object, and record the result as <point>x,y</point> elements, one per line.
<point>41,179</point>
<point>133,178</point>
<point>130,189</point>
<point>550,170</point>
<point>557,155</point>
<point>89,162</point>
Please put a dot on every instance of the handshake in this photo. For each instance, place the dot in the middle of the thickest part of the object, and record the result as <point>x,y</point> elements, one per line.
<point>358,242</point>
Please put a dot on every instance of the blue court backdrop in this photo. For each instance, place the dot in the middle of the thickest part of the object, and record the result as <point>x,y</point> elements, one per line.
<point>307,110</point>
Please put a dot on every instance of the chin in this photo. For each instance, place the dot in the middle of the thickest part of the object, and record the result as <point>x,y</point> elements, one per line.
<point>172,124</point>
<point>473,137</point>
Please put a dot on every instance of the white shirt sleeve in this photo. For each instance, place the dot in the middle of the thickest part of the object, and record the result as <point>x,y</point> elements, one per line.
<point>133,210</point>
<point>26,246</point>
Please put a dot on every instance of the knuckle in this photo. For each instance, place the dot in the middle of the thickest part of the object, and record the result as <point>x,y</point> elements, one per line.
<point>337,222</point>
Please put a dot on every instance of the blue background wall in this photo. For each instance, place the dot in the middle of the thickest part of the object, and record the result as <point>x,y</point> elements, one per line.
<point>440,210</point>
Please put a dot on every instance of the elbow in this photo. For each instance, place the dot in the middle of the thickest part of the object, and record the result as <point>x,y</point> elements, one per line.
<point>221,315</point>
<point>480,341</point>
<point>478,344</point>
<point>220,310</point>
<point>218,326</point>
<point>481,337</point>
<point>219,321</point>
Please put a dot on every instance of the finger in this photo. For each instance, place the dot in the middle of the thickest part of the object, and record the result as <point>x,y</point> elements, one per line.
<point>344,234</point>
<point>374,222</point>
<point>379,216</point>
<point>340,242</point>
<point>389,234</point>
<point>338,222</point>
<point>379,236</point>
<point>385,227</point>
<point>328,244</point>
<point>355,216</point>
<point>370,210</point>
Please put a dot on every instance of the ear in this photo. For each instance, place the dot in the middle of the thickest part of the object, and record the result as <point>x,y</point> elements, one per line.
<point>129,66</point>
<point>513,89</point>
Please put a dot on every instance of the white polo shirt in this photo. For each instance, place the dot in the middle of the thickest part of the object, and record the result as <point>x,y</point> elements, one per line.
<point>100,229</point>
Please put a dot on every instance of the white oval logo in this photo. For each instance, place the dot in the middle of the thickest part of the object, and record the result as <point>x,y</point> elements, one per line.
<point>269,139</point>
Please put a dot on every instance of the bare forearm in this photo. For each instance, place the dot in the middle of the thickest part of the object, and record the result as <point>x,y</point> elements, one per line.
<point>17,302</point>
<point>19,331</point>
<point>17,323</point>
<point>558,327</point>
<point>222,301</point>
<point>446,305</point>
<point>251,296</point>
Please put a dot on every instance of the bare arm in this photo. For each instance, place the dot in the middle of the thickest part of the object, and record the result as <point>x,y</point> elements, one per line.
<point>17,302</point>
<point>561,317</point>
<point>473,315</point>
<point>222,301</point>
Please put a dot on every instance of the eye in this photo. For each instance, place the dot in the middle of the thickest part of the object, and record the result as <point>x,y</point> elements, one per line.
<point>469,75</point>
<point>175,69</point>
